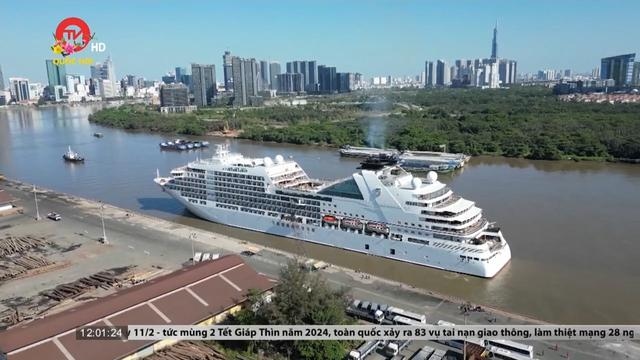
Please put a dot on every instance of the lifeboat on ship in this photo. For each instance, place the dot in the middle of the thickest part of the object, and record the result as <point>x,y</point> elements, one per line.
<point>330,220</point>
<point>351,224</point>
<point>378,228</point>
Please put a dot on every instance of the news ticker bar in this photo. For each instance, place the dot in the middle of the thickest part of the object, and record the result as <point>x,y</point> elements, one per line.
<point>358,332</point>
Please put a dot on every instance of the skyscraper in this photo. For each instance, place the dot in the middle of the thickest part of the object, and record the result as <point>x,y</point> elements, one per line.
<point>507,71</point>
<point>204,84</point>
<point>327,79</point>
<point>57,74</point>
<point>619,68</point>
<point>344,82</point>
<point>442,73</point>
<point>245,80</point>
<point>228,72</point>
<point>274,71</point>
<point>429,74</point>
<point>264,74</point>
<point>108,70</point>
<point>104,71</point>
<point>1,80</point>
<point>311,78</point>
<point>180,73</point>
<point>494,43</point>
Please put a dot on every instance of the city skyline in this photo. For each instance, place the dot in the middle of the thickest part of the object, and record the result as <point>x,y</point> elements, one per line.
<point>558,40</point>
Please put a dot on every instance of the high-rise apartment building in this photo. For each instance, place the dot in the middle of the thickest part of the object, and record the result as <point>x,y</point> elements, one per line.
<point>245,81</point>
<point>619,68</point>
<point>345,82</point>
<point>274,71</point>
<point>228,71</point>
<point>203,78</point>
<point>429,74</point>
<point>443,77</point>
<point>327,79</point>
<point>507,70</point>
<point>290,83</point>
<point>265,76</point>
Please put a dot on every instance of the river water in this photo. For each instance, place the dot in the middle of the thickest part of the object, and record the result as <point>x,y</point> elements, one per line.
<point>573,226</point>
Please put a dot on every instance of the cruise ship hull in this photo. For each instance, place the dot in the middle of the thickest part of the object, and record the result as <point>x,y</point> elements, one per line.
<point>424,255</point>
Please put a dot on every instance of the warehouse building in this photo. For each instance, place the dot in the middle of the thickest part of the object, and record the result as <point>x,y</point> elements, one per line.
<point>201,294</point>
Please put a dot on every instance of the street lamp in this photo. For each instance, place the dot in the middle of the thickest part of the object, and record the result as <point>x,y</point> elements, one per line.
<point>35,198</point>
<point>464,342</point>
<point>192,237</point>
<point>104,233</point>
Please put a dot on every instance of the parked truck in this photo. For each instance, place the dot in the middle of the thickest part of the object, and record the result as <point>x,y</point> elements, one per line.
<point>423,354</point>
<point>365,310</point>
<point>363,350</point>
<point>394,347</point>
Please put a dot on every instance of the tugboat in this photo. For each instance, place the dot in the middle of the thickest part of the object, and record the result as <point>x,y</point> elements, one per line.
<point>378,161</point>
<point>72,156</point>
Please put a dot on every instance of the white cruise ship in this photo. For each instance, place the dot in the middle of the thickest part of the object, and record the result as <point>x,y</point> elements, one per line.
<point>388,212</point>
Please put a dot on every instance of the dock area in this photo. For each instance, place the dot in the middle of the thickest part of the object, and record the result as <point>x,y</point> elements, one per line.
<point>409,159</point>
<point>79,267</point>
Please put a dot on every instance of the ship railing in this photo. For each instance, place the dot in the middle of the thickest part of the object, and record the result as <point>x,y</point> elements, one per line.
<point>495,246</point>
<point>434,195</point>
<point>452,199</point>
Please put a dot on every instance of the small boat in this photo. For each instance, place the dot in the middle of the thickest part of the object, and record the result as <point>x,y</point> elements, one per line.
<point>378,161</point>
<point>204,143</point>
<point>72,156</point>
<point>330,219</point>
<point>377,228</point>
<point>189,146</point>
<point>351,224</point>
<point>98,135</point>
<point>182,147</point>
<point>164,145</point>
<point>197,144</point>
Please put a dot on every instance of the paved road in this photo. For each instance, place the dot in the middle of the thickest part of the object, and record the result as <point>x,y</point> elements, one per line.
<point>139,239</point>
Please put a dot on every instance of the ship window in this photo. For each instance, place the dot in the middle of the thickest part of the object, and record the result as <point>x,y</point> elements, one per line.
<point>393,251</point>
<point>347,188</point>
<point>366,246</point>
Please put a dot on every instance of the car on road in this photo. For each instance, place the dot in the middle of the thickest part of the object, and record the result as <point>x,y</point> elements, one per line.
<point>54,216</point>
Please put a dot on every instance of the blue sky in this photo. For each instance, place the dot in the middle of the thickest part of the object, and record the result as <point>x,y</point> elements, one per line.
<point>149,38</point>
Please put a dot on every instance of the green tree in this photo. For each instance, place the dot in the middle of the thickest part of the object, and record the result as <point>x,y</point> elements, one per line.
<point>301,298</point>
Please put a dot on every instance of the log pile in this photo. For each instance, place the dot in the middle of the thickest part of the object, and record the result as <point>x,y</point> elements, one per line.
<point>188,350</point>
<point>11,267</point>
<point>18,244</point>
<point>104,280</point>
<point>8,317</point>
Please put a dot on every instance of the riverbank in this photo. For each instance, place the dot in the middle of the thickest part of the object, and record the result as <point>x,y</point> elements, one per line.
<point>166,245</point>
<point>520,123</point>
<point>224,242</point>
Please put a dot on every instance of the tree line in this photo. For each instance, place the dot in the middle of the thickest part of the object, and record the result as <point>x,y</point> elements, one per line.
<point>519,122</point>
